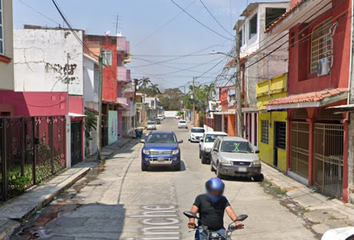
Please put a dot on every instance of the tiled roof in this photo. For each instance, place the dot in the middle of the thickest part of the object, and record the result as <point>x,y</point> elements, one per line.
<point>285,15</point>
<point>307,97</point>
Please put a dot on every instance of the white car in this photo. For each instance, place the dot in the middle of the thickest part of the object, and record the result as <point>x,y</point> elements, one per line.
<point>195,134</point>
<point>339,234</point>
<point>177,117</point>
<point>182,124</point>
<point>151,125</point>
<point>206,144</point>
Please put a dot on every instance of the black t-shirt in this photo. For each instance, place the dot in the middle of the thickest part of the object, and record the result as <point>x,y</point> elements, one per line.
<point>211,214</point>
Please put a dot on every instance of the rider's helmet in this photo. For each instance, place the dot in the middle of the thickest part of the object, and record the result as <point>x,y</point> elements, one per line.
<point>215,189</point>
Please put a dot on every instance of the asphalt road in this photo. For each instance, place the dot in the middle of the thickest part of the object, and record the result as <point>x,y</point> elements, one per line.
<point>119,201</point>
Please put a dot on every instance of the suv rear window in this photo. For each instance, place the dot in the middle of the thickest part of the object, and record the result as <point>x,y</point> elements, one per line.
<point>182,121</point>
<point>210,138</point>
<point>197,130</point>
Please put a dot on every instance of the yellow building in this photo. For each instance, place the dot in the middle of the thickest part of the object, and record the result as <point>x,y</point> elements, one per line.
<point>272,134</point>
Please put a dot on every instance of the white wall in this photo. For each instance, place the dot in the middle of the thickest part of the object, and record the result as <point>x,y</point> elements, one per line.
<point>41,57</point>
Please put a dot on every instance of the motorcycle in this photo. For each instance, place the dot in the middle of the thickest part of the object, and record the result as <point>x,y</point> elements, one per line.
<point>138,133</point>
<point>213,235</point>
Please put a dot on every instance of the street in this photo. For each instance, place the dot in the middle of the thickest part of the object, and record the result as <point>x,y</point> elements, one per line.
<point>119,201</point>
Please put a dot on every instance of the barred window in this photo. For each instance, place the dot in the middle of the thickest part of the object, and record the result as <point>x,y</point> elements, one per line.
<point>107,57</point>
<point>1,29</point>
<point>253,26</point>
<point>265,131</point>
<point>321,44</point>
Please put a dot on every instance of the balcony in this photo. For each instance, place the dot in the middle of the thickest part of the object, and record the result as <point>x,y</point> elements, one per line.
<point>123,101</point>
<point>123,46</point>
<point>123,75</point>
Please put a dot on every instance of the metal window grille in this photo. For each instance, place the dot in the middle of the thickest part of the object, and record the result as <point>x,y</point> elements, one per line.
<point>321,44</point>
<point>280,140</point>
<point>265,131</point>
<point>253,26</point>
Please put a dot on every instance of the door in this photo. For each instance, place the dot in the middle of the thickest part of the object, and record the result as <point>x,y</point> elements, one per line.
<point>76,143</point>
<point>214,152</point>
<point>279,140</point>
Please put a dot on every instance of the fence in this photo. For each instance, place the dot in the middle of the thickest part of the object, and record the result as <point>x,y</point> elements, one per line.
<point>32,149</point>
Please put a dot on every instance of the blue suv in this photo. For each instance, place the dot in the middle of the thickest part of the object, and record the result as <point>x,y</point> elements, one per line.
<point>161,149</point>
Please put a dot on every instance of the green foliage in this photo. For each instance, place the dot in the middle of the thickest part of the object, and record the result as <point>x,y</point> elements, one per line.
<point>17,185</point>
<point>148,88</point>
<point>171,99</point>
<point>90,125</point>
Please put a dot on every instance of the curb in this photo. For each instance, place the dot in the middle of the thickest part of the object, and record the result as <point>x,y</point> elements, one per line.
<point>8,228</point>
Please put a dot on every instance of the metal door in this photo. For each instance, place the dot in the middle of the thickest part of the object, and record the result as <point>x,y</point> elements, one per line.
<point>279,140</point>
<point>76,142</point>
<point>328,158</point>
<point>299,149</point>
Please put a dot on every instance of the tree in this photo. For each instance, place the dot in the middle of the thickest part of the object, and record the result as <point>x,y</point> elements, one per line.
<point>171,99</point>
<point>148,88</point>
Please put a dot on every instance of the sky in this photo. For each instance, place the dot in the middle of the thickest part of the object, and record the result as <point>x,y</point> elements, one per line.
<point>167,45</point>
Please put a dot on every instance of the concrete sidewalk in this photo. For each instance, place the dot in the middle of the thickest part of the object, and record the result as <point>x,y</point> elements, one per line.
<point>20,208</point>
<point>321,211</point>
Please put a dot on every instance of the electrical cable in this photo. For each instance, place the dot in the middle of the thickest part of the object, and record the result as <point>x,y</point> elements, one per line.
<point>43,15</point>
<point>195,19</point>
<point>201,1</point>
<point>162,27</point>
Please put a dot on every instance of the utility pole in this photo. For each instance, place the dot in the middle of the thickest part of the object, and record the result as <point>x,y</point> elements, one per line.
<point>99,135</point>
<point>193,82</point>
<point>238,82</point>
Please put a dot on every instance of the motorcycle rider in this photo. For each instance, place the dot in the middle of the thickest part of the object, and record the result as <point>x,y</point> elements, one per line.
<point>211,207</point>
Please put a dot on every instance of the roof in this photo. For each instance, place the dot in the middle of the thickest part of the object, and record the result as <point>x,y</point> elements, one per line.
<point>311,99</point>
<point>197,128</point>
<point>253,6</point>
<point>295,15</point>
<point>217,133</point>
<point>161,132</point>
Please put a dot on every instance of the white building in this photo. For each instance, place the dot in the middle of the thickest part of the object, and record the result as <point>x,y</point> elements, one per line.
<point>256,66</point>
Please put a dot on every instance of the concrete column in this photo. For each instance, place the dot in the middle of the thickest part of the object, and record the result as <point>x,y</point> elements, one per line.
<point>288,143</point>
<point>68,142</point>
<point>345,161</point>
<point>310,158</point>
<point>351,158</point>
<point>253,129</point>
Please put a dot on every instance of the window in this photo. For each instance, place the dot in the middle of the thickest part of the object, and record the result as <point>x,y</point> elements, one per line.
<point>236,147</point>
<point>253,24</point>
<point>1,29</point>
<point>321,44</point>
<point>240,35</point>
<point>265,131</point>
<point>280,135</point>
<point>273,14</point>
<point>107,57</point>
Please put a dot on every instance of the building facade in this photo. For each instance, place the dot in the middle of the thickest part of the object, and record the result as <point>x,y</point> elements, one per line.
<point>319,56</point>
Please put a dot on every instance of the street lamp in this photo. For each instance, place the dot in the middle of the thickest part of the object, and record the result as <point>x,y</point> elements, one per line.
<point>221,53</point>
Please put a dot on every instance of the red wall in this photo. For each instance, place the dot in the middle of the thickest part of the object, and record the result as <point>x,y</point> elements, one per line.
<point>300,79</point>
<point>109,88</point>
<point>293,2</point>
<point>40,103</point>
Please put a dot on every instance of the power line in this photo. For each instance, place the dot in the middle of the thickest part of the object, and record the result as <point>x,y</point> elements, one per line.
<point>195,19</point>
<point>201,1</point>
<point>43,15</point>
<point>162,27</point>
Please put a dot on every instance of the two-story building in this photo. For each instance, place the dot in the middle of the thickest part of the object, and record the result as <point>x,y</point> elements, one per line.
<point>319,57</point>
<point>116,53</point>
<point>257,17</point>
<point>6,54</point>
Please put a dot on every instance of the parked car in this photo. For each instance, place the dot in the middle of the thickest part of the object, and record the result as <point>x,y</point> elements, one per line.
<point>177,117</point>
<point>182,124</point>
<point>161,149</point>
<point>235,157</point>
<point>151,125</point>
<point>206,144</point>
<point>195,134</point>
<point>158,121</point>
<point>161,117</point>
<point>339,234</point>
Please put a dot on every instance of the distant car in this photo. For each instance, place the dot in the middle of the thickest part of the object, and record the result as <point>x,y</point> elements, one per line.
<point>161,117</point>
<point>151,125</point>
<point>339,234</point>
<point>177,117</point>
<point>158,121</point>
<point>161,149</point>
<point>206,144</point>
<point>235,157</point>
<point>182,124</point>
<point>195,134</point>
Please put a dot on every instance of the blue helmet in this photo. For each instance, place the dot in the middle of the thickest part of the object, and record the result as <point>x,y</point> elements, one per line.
<point>215,184</point>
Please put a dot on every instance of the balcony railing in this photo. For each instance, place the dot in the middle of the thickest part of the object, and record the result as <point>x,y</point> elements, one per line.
<point>124,75</point>
<point>123,101</point>
<point>123,46</point>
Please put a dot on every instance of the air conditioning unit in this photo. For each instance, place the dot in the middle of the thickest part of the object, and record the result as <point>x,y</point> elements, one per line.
<point>323,67</point>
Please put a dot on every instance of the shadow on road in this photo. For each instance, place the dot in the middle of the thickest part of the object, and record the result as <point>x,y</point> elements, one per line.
<point>168,169</point>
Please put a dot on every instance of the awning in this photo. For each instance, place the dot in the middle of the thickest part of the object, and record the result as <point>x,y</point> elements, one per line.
<point>225,113</point>
<point>306,100</point>
<point>343,108</point>
<point>92,110</point>
<point>249,110</point>
<point>303,11</point>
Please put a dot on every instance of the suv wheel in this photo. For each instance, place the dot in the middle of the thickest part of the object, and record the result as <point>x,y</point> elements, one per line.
<point>211,166</point>
<point>144,167</point>
<point>204,161</point>
<point>178,166</point>
<point>218,174</point>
